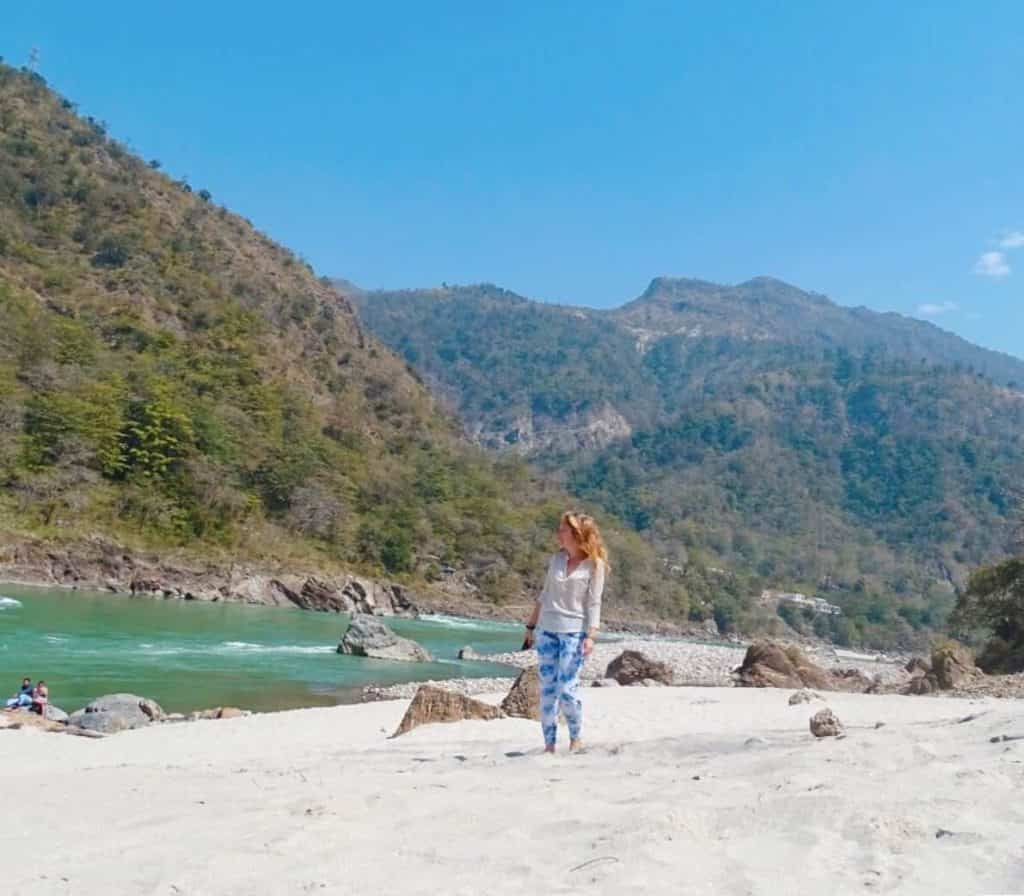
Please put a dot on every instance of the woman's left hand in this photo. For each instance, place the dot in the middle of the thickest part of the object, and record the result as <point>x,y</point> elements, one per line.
<point>588,645</point>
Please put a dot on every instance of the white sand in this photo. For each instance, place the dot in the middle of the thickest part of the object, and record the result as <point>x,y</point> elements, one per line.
<point>670,798</point>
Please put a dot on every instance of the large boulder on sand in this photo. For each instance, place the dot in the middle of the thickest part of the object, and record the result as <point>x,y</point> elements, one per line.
<point>368,636</point>
<point>432,704</point>
<point>824,723</point>
<point>523,700</point>
<point>769,664</point>
<point>952,664</point>
<point>117,712</point>
<point>632,667</point>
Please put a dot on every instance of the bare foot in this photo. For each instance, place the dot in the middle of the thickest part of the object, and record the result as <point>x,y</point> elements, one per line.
<point>549,748</point>
<point>575,746</point>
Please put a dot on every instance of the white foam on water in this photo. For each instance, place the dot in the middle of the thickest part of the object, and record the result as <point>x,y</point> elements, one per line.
<point>247,647</point>
<point>9,603</point>
<point>153,650</point>
<point>459,622</point>
<point>229,648</point>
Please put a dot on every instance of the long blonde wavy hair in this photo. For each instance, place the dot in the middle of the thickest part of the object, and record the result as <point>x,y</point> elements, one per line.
<point>587,535</point>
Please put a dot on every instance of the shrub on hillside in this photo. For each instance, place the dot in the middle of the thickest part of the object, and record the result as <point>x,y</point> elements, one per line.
<point>993,607</point>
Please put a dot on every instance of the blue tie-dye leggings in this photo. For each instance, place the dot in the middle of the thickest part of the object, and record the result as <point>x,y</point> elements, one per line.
<point>561,658</point>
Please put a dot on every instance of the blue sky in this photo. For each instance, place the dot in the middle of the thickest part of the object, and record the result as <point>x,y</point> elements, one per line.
<point>572,151</point>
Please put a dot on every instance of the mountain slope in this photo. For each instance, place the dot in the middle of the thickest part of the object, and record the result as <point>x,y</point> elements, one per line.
<point>520,373</point>
<point>171,378</point>
<point>758,427</point>
<point>766,310</point>
<point>165,364</point>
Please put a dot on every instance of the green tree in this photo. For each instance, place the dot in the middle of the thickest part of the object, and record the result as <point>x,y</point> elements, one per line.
<point>158,434</point>
<point>993,606</point>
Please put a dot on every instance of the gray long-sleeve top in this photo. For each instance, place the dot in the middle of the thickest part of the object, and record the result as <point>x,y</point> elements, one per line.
<point>571,602</point>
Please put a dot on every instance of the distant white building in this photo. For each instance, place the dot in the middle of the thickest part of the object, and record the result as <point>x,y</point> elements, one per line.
<point>770,597</point>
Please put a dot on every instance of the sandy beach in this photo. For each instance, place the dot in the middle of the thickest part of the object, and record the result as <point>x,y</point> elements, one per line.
<point>695,790</point>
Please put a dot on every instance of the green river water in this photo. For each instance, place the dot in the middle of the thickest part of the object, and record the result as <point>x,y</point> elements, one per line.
<point>191,655</point>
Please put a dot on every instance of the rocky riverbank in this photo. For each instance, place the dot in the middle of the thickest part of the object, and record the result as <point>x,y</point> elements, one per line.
<point>100,565</point>
<point>110,714</point>
<point>692,664</point>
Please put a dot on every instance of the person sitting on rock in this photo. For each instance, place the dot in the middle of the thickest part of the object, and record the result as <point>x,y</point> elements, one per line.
<point>23,697</point>
<point>40,698</point>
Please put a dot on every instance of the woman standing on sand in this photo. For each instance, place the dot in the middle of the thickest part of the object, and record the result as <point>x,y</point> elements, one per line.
<point>564,623</point>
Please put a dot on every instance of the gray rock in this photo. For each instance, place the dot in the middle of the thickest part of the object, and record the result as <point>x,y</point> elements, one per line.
<point>432,705</point>
<point>631,667</point>
<point>523,700</point>
<point>606,683</point>
<point>824,723</point>
<point>803,696</point>
<point>368,636</point>
<point>117,712</point>
<point>83,732</point>
<point>55,714</point>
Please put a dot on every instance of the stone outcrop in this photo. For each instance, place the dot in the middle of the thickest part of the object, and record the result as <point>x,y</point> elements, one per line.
<point>432,704</point>
<point>523,700</point>
<point>824,723</point>
<point>953,665</point>
<point>855,681</point>
<point>368,636</point>
<point>770,664</point>
<point>97,563</point>
<point>352,595</point>
<point>631,667</point>
<point>951,668</point>
<point>117,712</point>
<point>468,653</point>
<point>578,430</point>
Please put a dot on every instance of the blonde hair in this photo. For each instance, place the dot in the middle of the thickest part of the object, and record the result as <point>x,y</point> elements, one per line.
<point>587,535</point>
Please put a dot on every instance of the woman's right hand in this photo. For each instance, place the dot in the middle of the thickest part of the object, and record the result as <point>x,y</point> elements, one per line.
<point>528,641</point>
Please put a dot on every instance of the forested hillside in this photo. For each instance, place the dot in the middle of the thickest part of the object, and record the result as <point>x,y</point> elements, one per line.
<point>866,457</point>
<point>170,377</point>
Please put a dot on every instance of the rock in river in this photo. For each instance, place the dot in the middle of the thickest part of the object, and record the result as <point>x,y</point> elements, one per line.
<point>368,636</point>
